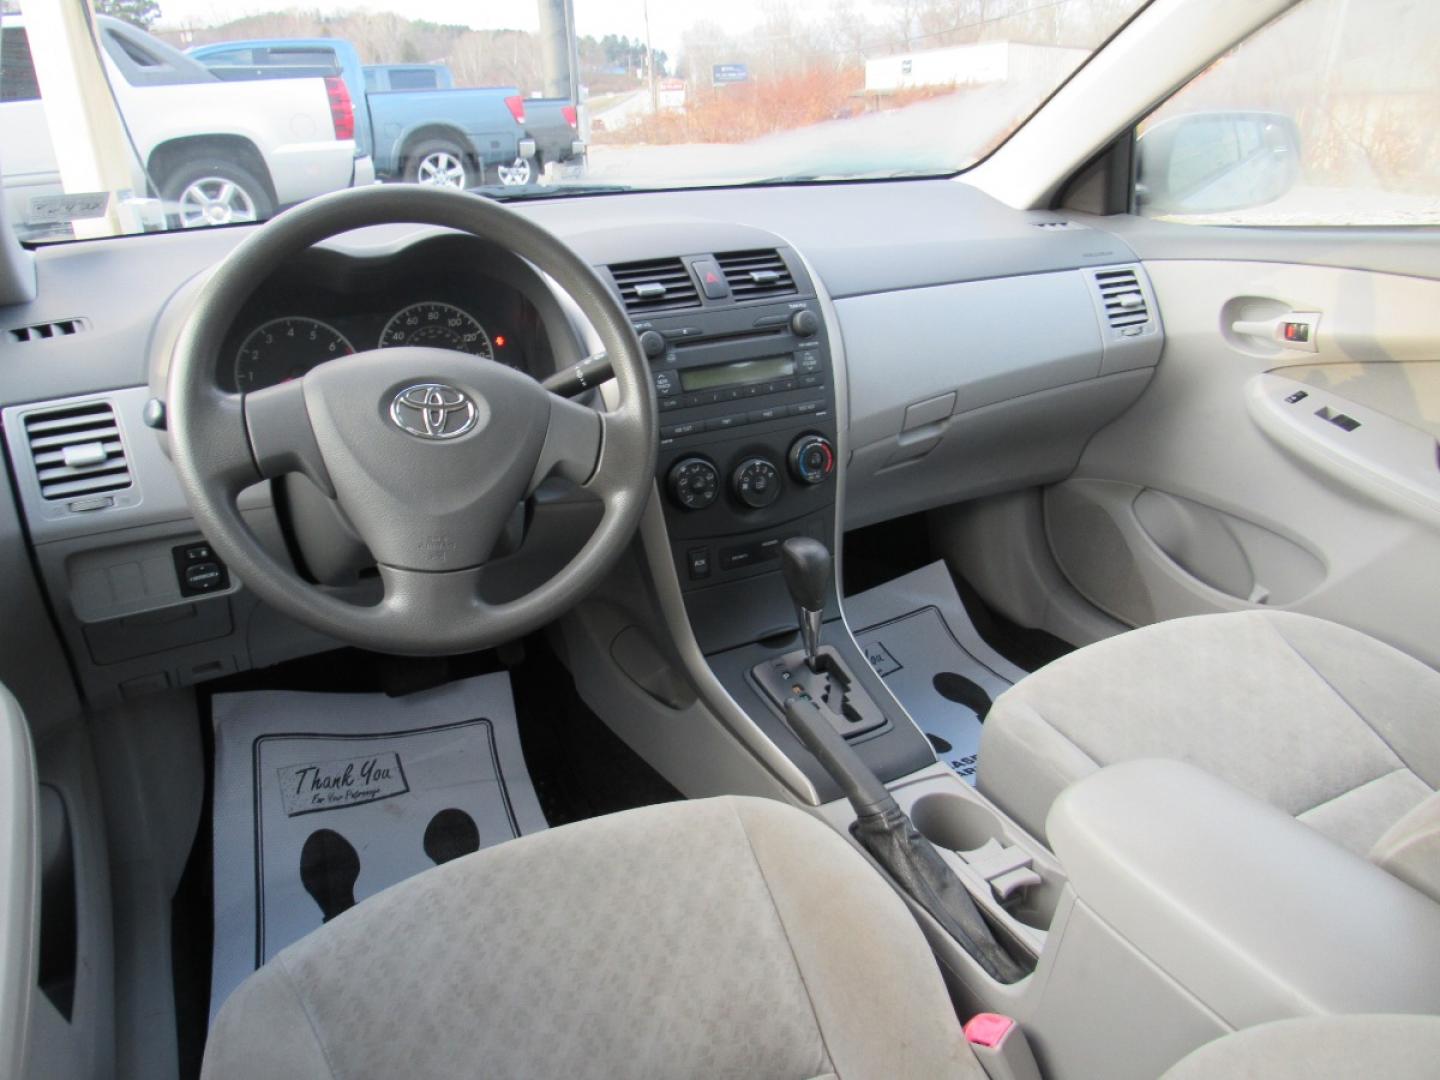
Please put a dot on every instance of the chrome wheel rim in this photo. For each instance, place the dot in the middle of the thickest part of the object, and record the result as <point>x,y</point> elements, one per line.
<point>516,174</point>
<point>440,168</point>
<point>215,200</point>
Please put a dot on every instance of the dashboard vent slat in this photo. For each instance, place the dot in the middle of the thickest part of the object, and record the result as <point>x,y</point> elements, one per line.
<point>77,450</point>
<point>47,330</point>
<point>1122,298</point>
<point>655,285</point>
<point>755,274</point>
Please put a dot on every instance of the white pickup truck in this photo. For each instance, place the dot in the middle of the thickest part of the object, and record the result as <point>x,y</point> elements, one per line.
<point>215,152</point>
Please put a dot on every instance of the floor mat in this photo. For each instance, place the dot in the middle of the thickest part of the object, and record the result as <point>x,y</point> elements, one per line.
<point>324,799</point>
<point>917,636</point>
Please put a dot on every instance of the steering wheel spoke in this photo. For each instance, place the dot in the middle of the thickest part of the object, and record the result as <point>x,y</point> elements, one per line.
<point>573,443</point>
<point>281,435</point>
<point>448,602</point>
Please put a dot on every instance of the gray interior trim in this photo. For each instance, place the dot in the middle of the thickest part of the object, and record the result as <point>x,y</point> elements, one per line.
<point>1176,861</point>
<point>1401,250</point>
<point>19,883</point>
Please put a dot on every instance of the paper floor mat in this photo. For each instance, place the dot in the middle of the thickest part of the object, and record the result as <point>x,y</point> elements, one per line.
<point>324,799</point>
<point>918,638</point>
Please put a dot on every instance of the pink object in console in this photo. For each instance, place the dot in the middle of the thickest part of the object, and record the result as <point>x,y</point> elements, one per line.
<point>988,1029</point>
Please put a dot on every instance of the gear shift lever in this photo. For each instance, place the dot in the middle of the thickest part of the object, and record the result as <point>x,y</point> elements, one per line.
<point>806,564</point>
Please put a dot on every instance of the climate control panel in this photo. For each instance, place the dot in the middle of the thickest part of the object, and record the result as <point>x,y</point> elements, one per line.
<point>756,483</point>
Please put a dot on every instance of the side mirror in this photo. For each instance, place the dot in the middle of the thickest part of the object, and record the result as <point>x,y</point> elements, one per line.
<point>1209,162</point>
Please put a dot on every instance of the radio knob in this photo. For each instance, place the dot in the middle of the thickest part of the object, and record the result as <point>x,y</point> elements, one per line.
<point>652,342</point>
<point>694,483</point>
<point>756,483</point>
<point>804,323</point>
<point>812,459</point>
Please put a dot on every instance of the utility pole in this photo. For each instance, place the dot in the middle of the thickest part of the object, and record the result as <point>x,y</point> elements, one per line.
<point>556,33</point>
<point>650,61</point>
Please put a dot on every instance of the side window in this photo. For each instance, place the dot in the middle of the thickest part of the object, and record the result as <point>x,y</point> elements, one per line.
<point>17,71</point>
<point>1328,116</point>
<point>411,79</point>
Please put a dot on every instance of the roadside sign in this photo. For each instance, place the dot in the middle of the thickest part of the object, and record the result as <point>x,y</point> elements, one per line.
<point>729,73</point>
<point>671,94</point>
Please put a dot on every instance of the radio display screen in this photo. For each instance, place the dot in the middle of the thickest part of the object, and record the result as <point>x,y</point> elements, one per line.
<point>737,373</point>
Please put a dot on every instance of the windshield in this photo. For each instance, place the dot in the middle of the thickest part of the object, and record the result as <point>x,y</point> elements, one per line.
<point>212,113</point>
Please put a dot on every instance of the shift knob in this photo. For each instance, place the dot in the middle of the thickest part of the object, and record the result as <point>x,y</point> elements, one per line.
<point>806,564</point>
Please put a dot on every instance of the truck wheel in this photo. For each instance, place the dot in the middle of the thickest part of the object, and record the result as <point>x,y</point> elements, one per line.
<point>517,174</point>
<point>438,163</point>
<point>214,192</point>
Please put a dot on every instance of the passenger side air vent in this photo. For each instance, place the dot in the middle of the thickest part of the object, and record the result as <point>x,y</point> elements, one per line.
<point>655,285</point>
<point>753,274</point>
<point>1121,298</point>
<point>77,450</point>
<point>46,330</point>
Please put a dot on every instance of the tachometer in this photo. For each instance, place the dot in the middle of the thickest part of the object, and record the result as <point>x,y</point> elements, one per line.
<point>284,349</point>
<point>440,326</point>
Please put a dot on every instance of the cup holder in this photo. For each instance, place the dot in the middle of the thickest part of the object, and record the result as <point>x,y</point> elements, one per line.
<point>955,822</point>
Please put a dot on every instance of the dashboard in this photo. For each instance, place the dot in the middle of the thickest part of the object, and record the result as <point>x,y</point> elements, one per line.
<point>438,293</point>
<point>921,376</point>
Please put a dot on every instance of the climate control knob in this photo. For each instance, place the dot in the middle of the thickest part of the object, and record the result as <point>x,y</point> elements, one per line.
<point>812,459</point>
<point>694,483</point>
<point>756,483</point>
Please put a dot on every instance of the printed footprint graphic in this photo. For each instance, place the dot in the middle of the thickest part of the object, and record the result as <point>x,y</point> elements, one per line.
<point>957,688</point>
<point>451,834</point>
<point>329,868</point>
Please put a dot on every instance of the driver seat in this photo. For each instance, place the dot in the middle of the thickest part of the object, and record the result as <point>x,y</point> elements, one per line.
<point>723,937</point>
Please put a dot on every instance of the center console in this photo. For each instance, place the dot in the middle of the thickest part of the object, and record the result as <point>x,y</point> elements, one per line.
<point>748,388</point>
<point>747,433</point>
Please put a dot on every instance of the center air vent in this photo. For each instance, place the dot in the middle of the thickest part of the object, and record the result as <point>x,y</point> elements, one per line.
<point>77,451</point>
<point>1122,298</point>
<point>753,274</point>
<point>655,285</point>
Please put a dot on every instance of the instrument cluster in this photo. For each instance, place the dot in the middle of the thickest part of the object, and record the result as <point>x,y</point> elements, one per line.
<point>287,346</point>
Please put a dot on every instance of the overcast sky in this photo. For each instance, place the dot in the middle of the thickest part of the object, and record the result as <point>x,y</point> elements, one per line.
<point>668,18</point>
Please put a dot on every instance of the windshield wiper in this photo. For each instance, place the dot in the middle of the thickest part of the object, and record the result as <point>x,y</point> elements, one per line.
<point>519,194</point>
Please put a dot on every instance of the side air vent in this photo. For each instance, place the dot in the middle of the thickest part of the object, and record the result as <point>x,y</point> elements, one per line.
<point>655,285</point>
<point>1122,299</point>
<point>77,451</point>
<point>46,330</point>
<point>753,274</point>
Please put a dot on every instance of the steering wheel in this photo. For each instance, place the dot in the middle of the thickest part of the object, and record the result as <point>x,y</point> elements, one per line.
<point>427,451</point>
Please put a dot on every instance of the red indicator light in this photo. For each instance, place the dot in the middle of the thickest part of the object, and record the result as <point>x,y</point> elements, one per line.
<point>499,340</point>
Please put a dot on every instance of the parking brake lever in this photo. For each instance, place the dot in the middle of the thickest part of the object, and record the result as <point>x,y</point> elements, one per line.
<point>887,833</point>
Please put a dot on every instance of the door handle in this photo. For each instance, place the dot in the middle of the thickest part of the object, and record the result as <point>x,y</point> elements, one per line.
<point>1294,330</point>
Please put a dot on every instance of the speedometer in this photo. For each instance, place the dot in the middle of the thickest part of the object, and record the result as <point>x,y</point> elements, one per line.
<point>440,326</point>
<point>284,349</point>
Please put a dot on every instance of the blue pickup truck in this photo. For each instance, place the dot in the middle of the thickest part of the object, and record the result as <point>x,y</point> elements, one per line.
<point>415,123</point>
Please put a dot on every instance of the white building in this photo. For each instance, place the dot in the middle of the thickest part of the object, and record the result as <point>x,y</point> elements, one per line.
<point>982,64</point>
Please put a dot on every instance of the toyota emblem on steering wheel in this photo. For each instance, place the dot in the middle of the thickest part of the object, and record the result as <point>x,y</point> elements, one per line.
<point>433,411</point>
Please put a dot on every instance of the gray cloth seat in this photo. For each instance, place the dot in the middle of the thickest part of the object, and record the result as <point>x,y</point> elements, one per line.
<point>726,937</point>
<point>1320,720</point>
<point>1320,1048</point>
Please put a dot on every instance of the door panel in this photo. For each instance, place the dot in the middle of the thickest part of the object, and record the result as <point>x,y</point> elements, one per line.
<point>1217,493</point>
